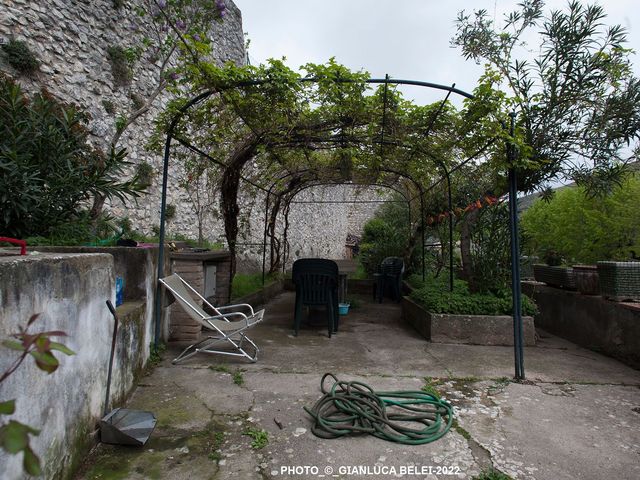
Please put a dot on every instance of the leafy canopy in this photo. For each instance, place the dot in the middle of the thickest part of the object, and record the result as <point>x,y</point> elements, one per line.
<point>586,230</point>
<point>577,100</point>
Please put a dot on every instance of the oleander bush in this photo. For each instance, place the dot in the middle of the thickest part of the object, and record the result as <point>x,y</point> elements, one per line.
<point>49,172</point>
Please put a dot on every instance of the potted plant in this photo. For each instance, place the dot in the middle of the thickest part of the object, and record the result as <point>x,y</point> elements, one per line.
<point>553,274</point>
<point>586,278</point>
<point>620,281</point>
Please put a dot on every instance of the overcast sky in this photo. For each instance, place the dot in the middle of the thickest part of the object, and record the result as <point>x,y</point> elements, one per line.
<point>407,39</point>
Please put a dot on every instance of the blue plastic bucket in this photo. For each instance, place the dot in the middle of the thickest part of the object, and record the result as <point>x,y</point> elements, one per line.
<point>119,291</point>
<point>343,308</point>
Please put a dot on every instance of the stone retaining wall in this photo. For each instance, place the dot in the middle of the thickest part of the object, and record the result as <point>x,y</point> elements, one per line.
<point>591,321</point>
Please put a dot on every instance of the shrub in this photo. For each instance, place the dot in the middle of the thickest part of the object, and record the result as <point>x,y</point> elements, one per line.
<point>48,171</point>
<point>490,249</point>
<point>585,230</point>
<point>385,235</point>
<point>121,65</point>
<point>20,57</point>
<point>434,295</point>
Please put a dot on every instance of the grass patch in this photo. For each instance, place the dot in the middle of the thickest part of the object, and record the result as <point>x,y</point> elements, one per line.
<point>499,385</point>
<point>458,428</point>
<point>247,283</point>
<point>238,378</point>
<point>492,474</point>
<point>156,354</point>
<point>260,437</point>
<point>430,386</point>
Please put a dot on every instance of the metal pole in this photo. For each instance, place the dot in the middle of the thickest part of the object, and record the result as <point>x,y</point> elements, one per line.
<point>515,258</point>
<point>163,208</point>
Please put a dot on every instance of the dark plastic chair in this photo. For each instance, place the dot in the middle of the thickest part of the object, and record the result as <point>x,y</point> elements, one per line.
<point>316,282</point>
<point>389,279</point>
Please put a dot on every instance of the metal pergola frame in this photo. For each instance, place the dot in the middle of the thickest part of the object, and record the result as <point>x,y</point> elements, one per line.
<point>512,179</point>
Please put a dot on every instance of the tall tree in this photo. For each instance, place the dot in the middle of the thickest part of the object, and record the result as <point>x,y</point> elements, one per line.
<point>577,100</point>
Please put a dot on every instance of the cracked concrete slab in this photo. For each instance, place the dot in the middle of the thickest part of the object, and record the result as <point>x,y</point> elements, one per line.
<point>577,416</point>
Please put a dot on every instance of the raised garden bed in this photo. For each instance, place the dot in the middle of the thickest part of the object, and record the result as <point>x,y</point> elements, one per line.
<point>465,329</point>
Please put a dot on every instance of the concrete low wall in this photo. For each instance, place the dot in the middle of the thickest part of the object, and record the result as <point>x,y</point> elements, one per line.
<point>465,329</point>
<point>591,321</point>
<point>69,291</point>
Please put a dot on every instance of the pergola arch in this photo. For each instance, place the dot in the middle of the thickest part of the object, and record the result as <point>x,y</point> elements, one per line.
<point>510,150</point>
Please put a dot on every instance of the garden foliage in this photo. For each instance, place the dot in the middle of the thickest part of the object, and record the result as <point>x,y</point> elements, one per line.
<point>48,170</point>
<point>435,296</point>
<point>385,235</point>
<point>582,229</point>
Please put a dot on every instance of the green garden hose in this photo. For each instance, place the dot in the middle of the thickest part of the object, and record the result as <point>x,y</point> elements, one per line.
<point>354,407</point>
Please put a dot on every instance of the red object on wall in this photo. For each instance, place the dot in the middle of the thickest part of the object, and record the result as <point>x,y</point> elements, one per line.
<point>22,243</point>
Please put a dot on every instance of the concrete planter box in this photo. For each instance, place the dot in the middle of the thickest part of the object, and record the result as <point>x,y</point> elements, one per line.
<point>465,329</point>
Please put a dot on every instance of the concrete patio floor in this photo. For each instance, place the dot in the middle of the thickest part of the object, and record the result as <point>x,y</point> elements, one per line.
<point>576,416</point>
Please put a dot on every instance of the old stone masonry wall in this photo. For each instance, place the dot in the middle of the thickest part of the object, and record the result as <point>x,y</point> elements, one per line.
<point>72,38</point>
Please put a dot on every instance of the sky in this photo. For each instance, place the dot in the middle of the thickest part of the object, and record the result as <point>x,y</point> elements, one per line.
<point>407,39</point>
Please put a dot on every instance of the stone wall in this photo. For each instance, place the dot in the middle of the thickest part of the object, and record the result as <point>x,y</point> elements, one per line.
<point>69,291</point>
<point>71,40</point>
<point>609,327</point>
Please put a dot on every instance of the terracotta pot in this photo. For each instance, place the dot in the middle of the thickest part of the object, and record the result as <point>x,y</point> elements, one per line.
<point>586,277</point>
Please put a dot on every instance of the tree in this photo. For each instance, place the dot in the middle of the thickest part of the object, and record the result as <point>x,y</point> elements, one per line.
<point>577,101</point>
<point>585,230</point>
<point>171,37</point>
<point>48,171</point>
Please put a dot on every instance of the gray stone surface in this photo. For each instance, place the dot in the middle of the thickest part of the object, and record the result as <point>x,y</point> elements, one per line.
<point>575,417</point>
<point>71,40</point>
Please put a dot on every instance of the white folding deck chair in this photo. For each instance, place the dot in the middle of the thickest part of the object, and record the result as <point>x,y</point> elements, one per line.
<point>228,327</point>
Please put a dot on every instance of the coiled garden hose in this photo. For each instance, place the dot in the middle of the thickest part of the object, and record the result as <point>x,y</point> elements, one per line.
<point>354,407</point>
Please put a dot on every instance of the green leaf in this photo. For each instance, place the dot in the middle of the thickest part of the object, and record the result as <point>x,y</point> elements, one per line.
<point>13,345</point>
<point>31,463</point>
<point>45,361</point>
<point>61,348</point>
<point>8,407</point>
<point>14,437</point>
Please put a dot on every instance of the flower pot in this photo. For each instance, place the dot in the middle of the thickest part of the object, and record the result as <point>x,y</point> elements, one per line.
<point>343,308</point>
<point>559,277</point>
<point>620,281</point>
<point>586,277</point>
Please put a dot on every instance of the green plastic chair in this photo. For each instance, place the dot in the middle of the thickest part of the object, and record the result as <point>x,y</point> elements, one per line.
<point>316,282</point>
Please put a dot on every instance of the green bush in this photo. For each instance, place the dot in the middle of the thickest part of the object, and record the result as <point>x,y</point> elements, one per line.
<point>48,170</point>
<point>585,230</point>
<point>19,56</point>
<point>385,235</point>
<point>434,295</point>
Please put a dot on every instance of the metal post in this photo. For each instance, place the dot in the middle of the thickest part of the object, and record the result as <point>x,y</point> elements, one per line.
<point>515,258</point>
<point>163,208</point>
